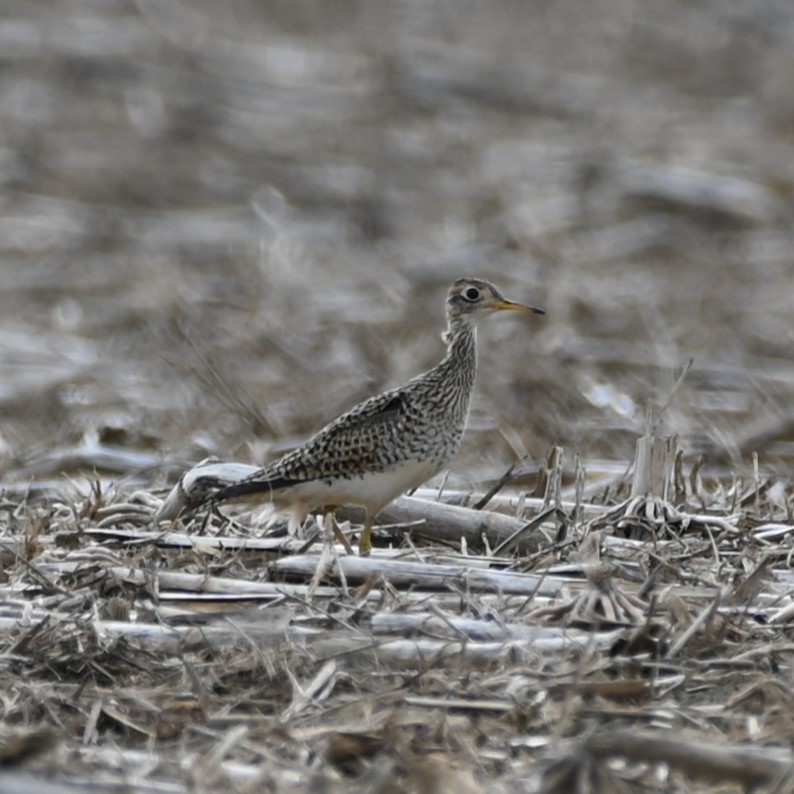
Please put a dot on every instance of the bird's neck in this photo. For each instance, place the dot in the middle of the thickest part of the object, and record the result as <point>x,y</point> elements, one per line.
<point>461,357</point>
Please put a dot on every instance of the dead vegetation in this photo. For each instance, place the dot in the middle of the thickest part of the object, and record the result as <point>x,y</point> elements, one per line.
<point>643,646</point>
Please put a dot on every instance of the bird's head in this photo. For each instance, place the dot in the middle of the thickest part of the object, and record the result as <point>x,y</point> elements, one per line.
<point>471,299</point>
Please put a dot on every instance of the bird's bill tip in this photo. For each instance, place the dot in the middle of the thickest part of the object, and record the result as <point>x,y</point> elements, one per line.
<point>505,305</point>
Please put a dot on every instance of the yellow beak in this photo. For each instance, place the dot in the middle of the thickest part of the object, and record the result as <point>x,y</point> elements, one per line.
<point>503,305</point>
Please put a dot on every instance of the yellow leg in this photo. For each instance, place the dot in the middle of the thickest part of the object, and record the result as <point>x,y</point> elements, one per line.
<point>365,541</point>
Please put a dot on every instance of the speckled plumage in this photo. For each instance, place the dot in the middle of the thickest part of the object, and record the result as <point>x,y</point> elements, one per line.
<point>393,441</point>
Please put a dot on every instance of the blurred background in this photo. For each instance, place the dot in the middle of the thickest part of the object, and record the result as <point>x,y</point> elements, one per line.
<point>221,224</point>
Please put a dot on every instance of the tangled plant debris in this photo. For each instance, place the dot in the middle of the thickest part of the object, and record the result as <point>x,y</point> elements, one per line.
<point>198,653</point>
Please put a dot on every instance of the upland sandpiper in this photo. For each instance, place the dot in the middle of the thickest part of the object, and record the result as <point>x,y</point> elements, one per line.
<point>392,442</point>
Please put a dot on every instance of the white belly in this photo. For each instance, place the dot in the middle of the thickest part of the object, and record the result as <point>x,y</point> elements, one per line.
<point>373,490</point>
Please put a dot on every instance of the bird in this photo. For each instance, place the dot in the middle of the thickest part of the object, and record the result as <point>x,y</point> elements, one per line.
<point>390,443</point>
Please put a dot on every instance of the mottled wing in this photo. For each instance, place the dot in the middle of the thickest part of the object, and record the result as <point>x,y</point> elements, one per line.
<point>362,440</point>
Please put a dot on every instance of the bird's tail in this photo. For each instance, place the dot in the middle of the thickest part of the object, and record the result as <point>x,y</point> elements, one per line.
<point>254,486</point>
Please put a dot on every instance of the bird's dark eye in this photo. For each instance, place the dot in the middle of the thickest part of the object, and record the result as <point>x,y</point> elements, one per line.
<point>472,293</point>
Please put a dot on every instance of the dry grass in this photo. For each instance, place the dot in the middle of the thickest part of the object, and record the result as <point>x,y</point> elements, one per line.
<point>645,647</point>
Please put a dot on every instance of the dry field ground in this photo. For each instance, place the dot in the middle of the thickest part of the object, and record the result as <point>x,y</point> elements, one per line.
<point>221,224</point>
